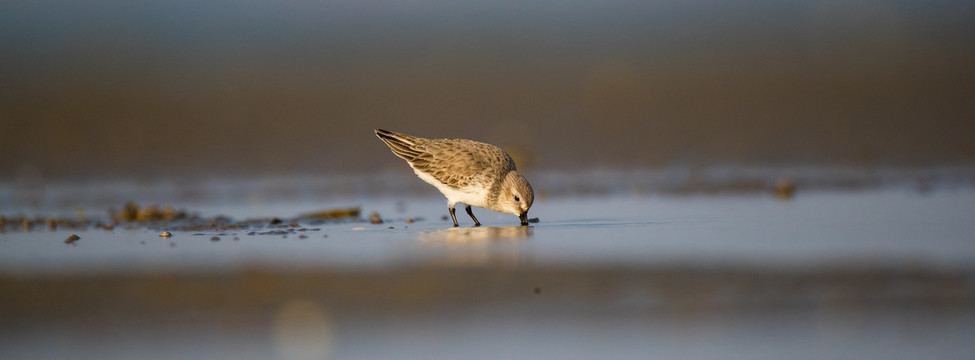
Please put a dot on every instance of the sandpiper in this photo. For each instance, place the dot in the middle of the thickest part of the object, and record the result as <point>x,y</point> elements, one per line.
<point>465,171</point>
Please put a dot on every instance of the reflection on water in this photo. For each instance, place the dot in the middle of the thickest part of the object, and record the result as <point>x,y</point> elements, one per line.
<point>479,235</point>
<point>472,246</point>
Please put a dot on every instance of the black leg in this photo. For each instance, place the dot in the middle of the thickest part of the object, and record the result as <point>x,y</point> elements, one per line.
<point>476,223</point>
<point>452,216</point>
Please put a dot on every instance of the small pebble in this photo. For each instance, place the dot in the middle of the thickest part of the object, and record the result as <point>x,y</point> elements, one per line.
<point>166,234</point>
<point>409,220</point>
<point>215,238</point>
<point>390,228</point>
<point>374,218</point>
<point>236,238</point>
<point>785,189</point>
<point>71,239</point>
<point>302,236</point>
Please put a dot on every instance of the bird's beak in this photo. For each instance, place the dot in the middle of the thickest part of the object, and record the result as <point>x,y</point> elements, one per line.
<point>524,218</point>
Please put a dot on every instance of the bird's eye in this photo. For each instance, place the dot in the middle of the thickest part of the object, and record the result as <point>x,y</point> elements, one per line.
<point>517,199</point>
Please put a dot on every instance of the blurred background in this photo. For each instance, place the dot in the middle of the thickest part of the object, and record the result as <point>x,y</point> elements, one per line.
<point>111,88</point>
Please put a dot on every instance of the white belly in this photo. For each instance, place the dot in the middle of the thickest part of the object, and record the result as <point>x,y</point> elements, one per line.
<point>471,195</point>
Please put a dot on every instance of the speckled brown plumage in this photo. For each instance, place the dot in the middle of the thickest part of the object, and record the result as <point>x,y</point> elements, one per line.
<point>466,171</point>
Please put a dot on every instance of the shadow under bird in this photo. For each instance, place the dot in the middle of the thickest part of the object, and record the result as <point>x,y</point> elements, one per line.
<point>465,171</point>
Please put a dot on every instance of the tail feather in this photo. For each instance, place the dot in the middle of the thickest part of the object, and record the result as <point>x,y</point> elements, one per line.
<point>402,145</point>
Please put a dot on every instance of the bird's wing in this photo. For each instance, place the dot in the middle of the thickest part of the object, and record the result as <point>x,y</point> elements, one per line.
<point>458,163</point>
<point>404,146</point>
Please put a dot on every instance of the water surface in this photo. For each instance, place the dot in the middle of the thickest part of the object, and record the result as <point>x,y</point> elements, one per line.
<point>884,273</point>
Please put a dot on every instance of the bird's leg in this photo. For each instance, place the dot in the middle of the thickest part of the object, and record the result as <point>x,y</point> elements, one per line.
<point>452,216</point>
<point>476,223</point>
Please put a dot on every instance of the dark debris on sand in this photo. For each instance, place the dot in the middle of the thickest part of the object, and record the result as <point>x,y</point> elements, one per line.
<point>167,220</point>
<point>27,224</point>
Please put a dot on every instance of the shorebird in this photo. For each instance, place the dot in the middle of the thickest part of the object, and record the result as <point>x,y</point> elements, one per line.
<point>465,171</point>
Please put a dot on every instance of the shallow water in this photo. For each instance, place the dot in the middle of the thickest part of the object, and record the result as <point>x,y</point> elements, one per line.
<point>889,228</point>
<point>883,273</point>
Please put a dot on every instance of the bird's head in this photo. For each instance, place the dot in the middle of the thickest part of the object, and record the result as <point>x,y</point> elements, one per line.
<point>516,196</point>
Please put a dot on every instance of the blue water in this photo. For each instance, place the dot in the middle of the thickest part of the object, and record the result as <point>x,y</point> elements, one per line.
<point>886,228</point>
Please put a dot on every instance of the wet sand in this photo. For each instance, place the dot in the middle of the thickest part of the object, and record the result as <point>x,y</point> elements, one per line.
<point>876,273</point>
<point>441,312</point>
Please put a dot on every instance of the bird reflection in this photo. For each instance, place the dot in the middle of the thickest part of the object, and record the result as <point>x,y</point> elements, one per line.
<point>478,234</point>
<point>476,246</point>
